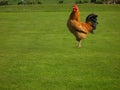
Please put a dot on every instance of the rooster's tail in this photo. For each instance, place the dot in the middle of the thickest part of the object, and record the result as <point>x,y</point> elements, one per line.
<point>93,19</point>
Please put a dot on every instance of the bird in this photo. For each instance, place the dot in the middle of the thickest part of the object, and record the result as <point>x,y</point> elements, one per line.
<point>78,28</point>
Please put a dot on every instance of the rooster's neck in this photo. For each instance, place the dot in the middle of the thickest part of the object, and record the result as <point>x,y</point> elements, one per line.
<point>75,15</point>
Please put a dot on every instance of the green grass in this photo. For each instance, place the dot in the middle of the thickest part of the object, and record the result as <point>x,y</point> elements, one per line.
<point>37,51</point>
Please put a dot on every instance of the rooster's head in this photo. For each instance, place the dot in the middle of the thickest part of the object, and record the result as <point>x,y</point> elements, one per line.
<point>75,8</point>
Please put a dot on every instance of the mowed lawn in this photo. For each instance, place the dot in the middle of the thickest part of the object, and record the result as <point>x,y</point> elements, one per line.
<point>37,52</point>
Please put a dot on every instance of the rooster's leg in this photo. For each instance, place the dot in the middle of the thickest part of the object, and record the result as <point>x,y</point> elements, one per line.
<point>79,44</point>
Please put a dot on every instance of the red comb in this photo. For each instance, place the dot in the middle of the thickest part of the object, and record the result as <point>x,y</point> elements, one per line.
<point>75,6</point>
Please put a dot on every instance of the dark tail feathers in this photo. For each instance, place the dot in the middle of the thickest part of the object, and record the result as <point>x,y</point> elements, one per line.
<point>93,19</point>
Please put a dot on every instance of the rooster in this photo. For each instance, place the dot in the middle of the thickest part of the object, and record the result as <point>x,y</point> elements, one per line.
<point>81,29</point>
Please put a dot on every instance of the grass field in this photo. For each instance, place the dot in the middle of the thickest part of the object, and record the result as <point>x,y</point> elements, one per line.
<point>37,52</point>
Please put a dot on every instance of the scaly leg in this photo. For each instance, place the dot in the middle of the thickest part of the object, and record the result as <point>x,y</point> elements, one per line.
<point>79,44</point>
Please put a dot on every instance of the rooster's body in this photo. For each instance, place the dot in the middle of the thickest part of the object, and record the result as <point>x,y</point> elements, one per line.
<point>78,28</point>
